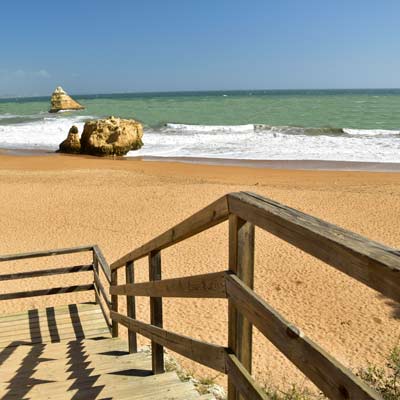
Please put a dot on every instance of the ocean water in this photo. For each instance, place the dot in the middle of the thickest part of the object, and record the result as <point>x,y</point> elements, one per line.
<point>339,125</point>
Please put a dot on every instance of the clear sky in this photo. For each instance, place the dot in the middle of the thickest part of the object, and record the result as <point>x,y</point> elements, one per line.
<point>98,46</point>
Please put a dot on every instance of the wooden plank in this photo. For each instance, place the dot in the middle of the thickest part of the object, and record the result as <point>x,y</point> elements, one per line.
<point>241,263</point>
<point>19,325</point>
<point>156,314</point>
<point>108,379</point>
<point>46,272</point>
<point>369,262</point>
<point>210,355</point>
<point>80,361</point>
<point>334,380</point>
<point>242,380</point>
<point>102,262</point>
<point>62,350</point>
<point>62,312</point>
<point>46,253</point>
<point>46,292</point>
<point>114,303</point>
<point>95,332</point>
<point>101,289</point>
<point>62,387</point>
<point>208,217</point>
<point>39,329</point>
<point>199,286</point>
<point>130,306</point>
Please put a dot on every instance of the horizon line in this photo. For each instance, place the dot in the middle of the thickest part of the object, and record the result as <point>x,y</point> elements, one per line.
<point>14,97</point>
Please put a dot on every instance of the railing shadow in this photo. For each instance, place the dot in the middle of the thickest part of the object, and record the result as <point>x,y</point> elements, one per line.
<point>75,369</point>
<point>22,380</point>
<point>52,325</point>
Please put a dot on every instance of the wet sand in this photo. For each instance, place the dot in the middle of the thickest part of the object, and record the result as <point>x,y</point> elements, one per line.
<point>61,201</point>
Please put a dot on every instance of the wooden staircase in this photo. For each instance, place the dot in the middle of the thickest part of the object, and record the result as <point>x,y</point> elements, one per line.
<point>73,352</point>
<point>68,353</point>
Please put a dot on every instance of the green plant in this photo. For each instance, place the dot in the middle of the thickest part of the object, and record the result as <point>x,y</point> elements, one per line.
<point>294,393</point>
<point>385,380</point>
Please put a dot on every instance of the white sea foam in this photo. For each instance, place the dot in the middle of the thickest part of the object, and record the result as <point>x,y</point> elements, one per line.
<point>253,142</point>
<point>263,142</point>
<point>211,128</point>
<point>371,132</point>
<point>46,133</point>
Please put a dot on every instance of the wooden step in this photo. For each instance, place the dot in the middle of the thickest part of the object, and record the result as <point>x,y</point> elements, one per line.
<point>59,351</point>
<point>48,369</point>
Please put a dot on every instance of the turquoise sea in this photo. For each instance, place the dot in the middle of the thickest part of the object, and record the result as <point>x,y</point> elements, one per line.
<point>348,125</point>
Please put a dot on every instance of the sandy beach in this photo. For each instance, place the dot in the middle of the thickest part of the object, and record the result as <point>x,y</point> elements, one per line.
<point>61,201</point>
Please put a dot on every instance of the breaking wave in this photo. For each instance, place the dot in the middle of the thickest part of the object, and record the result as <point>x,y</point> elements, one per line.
<point>246,141</point>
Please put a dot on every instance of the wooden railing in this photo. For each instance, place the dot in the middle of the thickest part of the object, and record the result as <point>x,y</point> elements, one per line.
<point>369,262</point>
<point>99,263</point>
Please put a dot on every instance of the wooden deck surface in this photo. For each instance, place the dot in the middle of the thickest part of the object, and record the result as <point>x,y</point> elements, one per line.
<point>67,353</point>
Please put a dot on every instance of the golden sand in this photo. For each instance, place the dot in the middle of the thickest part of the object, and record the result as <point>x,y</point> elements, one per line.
<point>62,201</point>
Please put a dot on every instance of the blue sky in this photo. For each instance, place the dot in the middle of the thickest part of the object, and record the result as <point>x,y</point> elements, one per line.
<point>96,46</point>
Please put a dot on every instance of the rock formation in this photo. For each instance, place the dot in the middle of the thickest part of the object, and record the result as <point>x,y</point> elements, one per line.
<point>72,143</point>
<point>111,136</point>
<point>104,137</point>
<point>61,101</point>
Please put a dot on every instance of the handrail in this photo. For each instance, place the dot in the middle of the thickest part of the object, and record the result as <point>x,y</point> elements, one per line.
<point>206,218</point>
<point>326,372</point>
<point>369,262</point>
<point>46,253</point>
<point>205,286</point>
<point>46,292</point>
<point>46,272</point>
<point>102,262</point>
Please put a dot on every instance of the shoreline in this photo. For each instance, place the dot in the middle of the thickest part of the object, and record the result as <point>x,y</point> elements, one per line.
<point>299,165</point>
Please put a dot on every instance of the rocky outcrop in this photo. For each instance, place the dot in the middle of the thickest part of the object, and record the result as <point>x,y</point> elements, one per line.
<point>60,100</point>
<point>72,143</point>
<point>111,136</point>
<point>105,137</point>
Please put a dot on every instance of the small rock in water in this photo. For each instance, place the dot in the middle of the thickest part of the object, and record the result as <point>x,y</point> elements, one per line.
<point>60,100</point>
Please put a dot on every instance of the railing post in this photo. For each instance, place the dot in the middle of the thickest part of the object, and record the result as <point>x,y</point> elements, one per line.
<point>95,269</point>
<point>241,263</point>
<point>157,351</point>
<point>130,306</point>
<point>114,302</point>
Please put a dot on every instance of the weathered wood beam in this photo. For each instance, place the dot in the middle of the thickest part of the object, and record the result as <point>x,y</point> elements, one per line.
<point>46,272</point>
<point>334,380</point>
<point>212,215</point>
<point>46,292</point>
<point>46,253</point>
<point>130,305</point>
<point>199,286</point>
<point>369,262</point>
<point>102,262</point>
<point>156,313</point>
<point>114,303</point>
<point>210,355</point>
<point>241,263</point>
